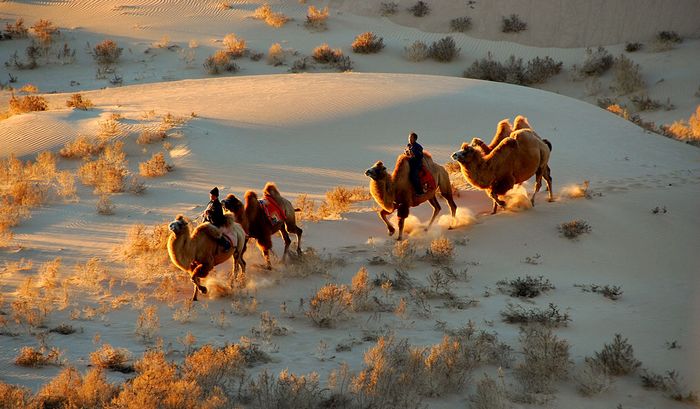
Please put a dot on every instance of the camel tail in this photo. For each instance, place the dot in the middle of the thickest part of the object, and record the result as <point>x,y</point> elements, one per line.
<point>549,144</point>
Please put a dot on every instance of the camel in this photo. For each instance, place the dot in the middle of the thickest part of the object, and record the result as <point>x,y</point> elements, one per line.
<point>257,224</point>
<point>197,252</point>
<point>503,130</point>
<point>515,160</point>
<point>395,191</point>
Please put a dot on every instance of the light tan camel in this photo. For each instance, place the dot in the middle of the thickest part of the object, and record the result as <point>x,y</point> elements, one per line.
<point>395,191</point>
<point>503,130</point>
<point>197,252</point>
<point>257,224</point>
<point>515,160</point>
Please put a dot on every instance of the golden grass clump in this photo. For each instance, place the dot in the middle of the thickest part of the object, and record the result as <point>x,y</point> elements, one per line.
<point>271,18</point>
<point>685,131</point>
<point>367,43</point>
<point>235,46</point>
<point>105,206</point>
<point>29,89</point>
<point>108,172</point>
<point>403,254</point>
<point>37,357</point>
<point>220,61</point>
<point>81,147</point>
<point>70,389</point>
<point>27,103</point>
<point>147,137</point>
<point>148,323</point>
<point>329,305</point>
<point>106,52</point>
<point>44,31</point>
<point>16,29</point>
<point>338,201</point>
<point>142,241</point>
<point>276,55</point>
<point>77,101</point>
<point>441,250</point>
<point>111,358</point>
<point>360,290</point>
<point>316,19</point>
<point>212,368</point>
<point>154,167</point>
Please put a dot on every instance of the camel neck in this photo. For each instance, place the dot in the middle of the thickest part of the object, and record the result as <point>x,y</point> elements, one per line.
<point>383,193</point>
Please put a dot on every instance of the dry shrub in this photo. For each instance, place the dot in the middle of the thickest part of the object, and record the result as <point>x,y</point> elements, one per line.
<point>367,43</point>
<point>29,89</point>
<point>287,391</point>
<point>550,316</point>
<point>36,357</point>
<point>235,46</point>
<point>14,396</point>
<point>628,76</point>
<point>316,19</point>
<point>447,366</point>
<point>105,206</point>
<point>573,229</point>
<point>596,63</point>
<point>78,102</point>
<point>44,31</point>
<point>115,359</point>
<point>360,290</point>
<point>16,29</point>
<point>393,376</point>
<point>325,55</point>
<point>460,24</point>
<point>329,305</point>
<point>513,70</point>
<point>106,52</point>
<point>220,61</point>
<point>513,24</point>
<point>217,368</point>
<point>403,254</point>
<point>108,172</point>
<point>271,18</point>
<point>591,379</point>
<point>416,52</point>
<point>489,394</point>
<point>147,137</point>
<point>70,389</point>
<point>616,358</point>
<point>388,8</point>
<point>420,9</point>
<point>441,250</point>
<point>685,131</point>
<point>666,40</point>
<point>148,323</point>
<point>443,50</point>
<point>141,241</point>
<point>27,103</point>
<point>672,386</point>
<point>154,167</point>
<point>528,287</point>
<point>276,55</point>
<point>546,360</point>
<point>338,201</point>
<point>82,147</point>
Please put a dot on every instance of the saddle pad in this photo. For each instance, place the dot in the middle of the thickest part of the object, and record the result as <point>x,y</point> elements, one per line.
<point>426,180</point>
<point>273,210</point>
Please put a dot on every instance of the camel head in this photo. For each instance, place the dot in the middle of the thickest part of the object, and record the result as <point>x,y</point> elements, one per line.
<point>178,225</point>
<point>231,203</point>
<point>466,153</point>
<point>377,172</point>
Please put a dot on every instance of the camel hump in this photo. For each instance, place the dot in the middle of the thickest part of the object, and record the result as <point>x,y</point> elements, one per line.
<point>207,229</point>
<point>507,145</point>
<point>250,198</point>
<point>521,122</point>
<point>271,189</point>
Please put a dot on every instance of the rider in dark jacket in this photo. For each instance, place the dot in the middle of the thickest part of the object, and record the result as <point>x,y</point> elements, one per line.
<point>214,214</point>
<point>415,153</point>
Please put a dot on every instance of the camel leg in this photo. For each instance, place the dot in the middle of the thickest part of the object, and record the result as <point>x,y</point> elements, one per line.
<point>383,215</point>
<point>496,201</point>
<point>287,241</point>
<point>402,214</point>
<point>436,209</point>
<point>293,228</point>
<point>199,272</point>
<point>538,185</point>
<point>548,178</point>
<point>453,209</point>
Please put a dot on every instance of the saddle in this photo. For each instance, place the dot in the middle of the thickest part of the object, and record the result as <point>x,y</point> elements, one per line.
<point>426,179</point>
<point>273,210</point>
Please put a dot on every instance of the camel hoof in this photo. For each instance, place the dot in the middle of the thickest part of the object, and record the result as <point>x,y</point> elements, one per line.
<point>450,228</point>
<point>391,232</point>
<point>203,289</point>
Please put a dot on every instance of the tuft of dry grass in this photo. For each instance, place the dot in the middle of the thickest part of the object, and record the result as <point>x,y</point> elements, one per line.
<point>338,200</point>
<point>27,103</point>
<point>44,31</point>
<point>287,390</point>
<point>617,358</point>
<point>271,18</point>
<point>115,359</point>
<point>235,46</point>
<point>685,131</point>
<point>316,19</point>
<point>441,250</point>
<point>37,357</point>
<point>360,290</point>
<point>444,50</point>
<point>78,102</point>
<point>16,29</point>
<point>108,172</point>
<point>627,76</point>
<point>148,323</point>
<point>420,9</point>
<point>546,360</point>
<point>106,52</point>
<point>220,61</point>
<point>591,379</point>
<point>82,147</point>
<point>154,167</point>
<point>329,305</point>
<point>105,206</point>
<point>367,43</point>
<point>489,394</point>
<point>276,55</point>
<point>416,52</point>
<point>70,389</point>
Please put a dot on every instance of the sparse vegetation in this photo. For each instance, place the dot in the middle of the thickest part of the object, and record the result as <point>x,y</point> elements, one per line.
<point>148,323</point>
<point>573,229</point>
<point>441,250</point>
<point>633,47</point>
<point>617,358</point>
<point>628,76</point>
<point>444,50</point>
<point>460,24</point>
<point>546,360</point>
<point>420,9</point>
<point>108,172</point>
<point>106,53</point>
<point>591,379</point>
<point>685,131</point>
<point>235,46</point>
<point>219,62</point>
<point>16,30</point>
<point>666,40</point>
<point>550,317</point>
<point>115,359</point>
<point>154,167</point>
<point>513,24</point>
<point>367,43</point>
<point>271,18</point>
<point>78,102</point>
<point>537,70</point>
<point>287,391</point>
<point>388,8</point>
<point>329,305</point>
<point>276,55</point>
<point>671,384</point>
<point>416,52</point>
<point>645,103</point>
<point>489,394</point>
<point>528,287</point>
<point>323,54</point>
<point>613,292</point>
<point>37,357</point>
<point>596,63</point>
<point>316,19</point>
<point>82,147</point>
<point>27,103</point>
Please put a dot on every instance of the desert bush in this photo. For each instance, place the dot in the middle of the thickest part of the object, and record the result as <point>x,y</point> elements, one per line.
<point>616,358</point>
<point>44,31</point>
<point>276,55</point>
<point>489,395</point>
<point>269,327</point>
<point>329,305</point>
<point>682,130</point>
<point>360,290</point>
<point>70,389</point>
<point>220,61</point>
<point>154,167</point>
<point>460,24</point>
<point>148,323</point>
<point>416,52</point>
<point>147,137</point>
<point>81,147</point>
<point>106,52</point>
<point>441,250</point>
<point>16,29</point>
<point>591,379</point>
<point>550,317</point>
<point>627,76</point>
<point>513,24</point>
<point>546,360</point>
<point>392,377</point>
<point>235,46</point>
<point>528,287</point>
<point>106,173</point>
<point>325,55</point>
<point>115,359</point>
<point>403,254</point>
<point>367,43</point>
<point>513,70</point>
<point>301,64</point>
<point>37,357</point>
<point>666,40</point>
<point>539,70</point>
<point>444,50</point>
<point>14,396</point>
<point>271,18</point>
<point>78,102</point>
<point>671,384</point>
<point>388,8</point>
<point>27,103</point>
<point>316,19</point>
<point>574,228</point>
<point>287,391</point>
<point>596,63</point>
<point>613,292</point>
<point>632,47</point>
<point>217,368</point>
<point>447,366</point>
<point>420,9</point>
<point>645,103</point>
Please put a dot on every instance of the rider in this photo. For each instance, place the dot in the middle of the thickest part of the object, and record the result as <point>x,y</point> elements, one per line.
<point>214,214</point>
<point>414,151</point>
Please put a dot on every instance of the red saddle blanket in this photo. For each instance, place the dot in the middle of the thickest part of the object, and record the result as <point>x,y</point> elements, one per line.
<point>273,210</point>
<point>426,179</point>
